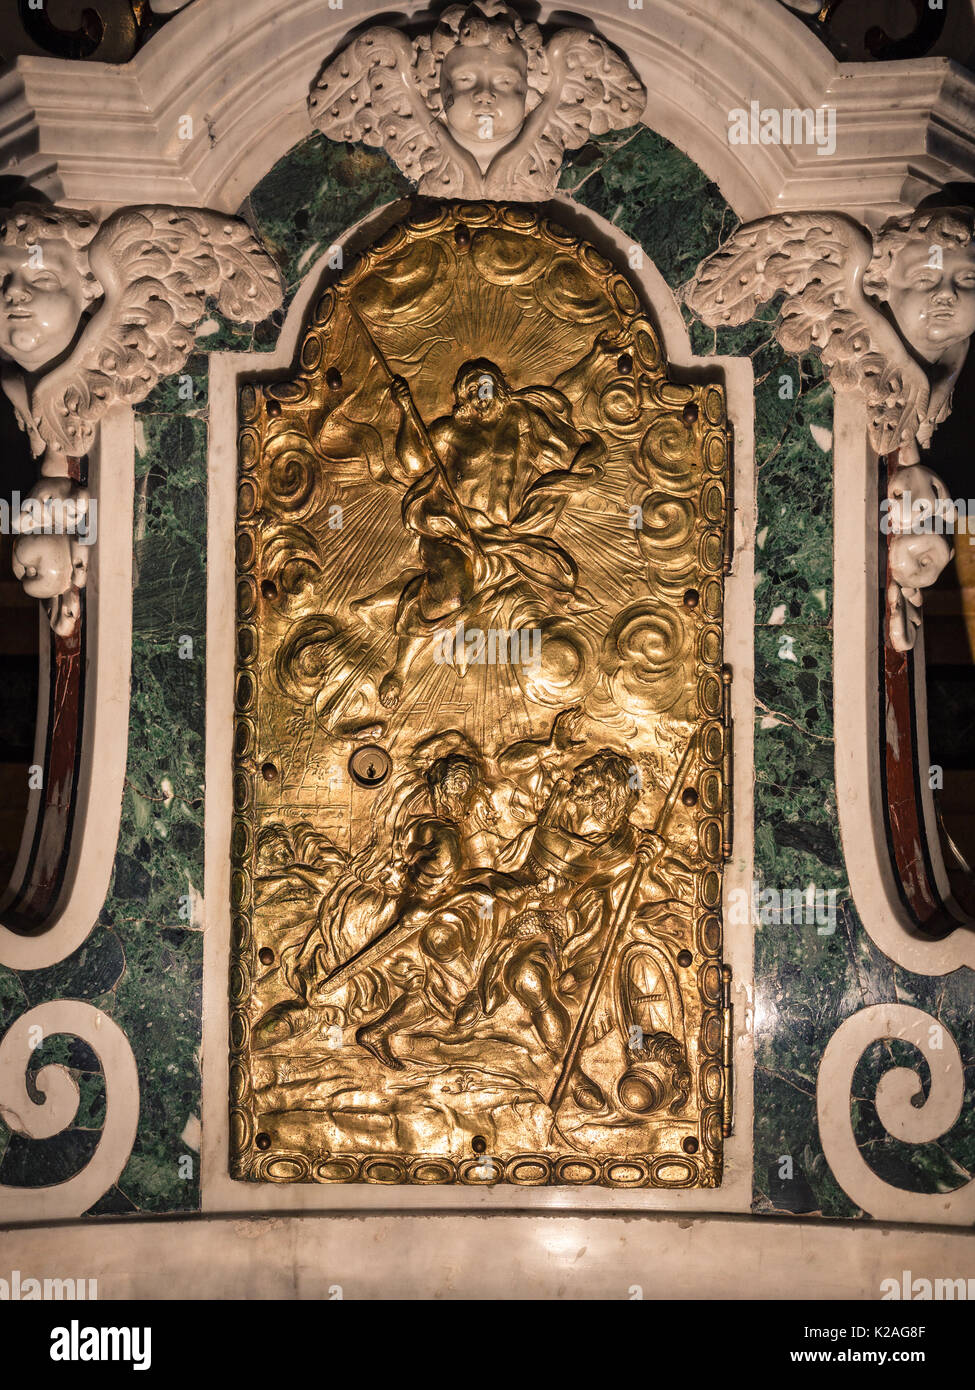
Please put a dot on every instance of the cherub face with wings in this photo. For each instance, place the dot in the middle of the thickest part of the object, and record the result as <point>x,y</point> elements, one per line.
<point>934,301</point>
<point>45,285</point>
<point>477,73</point>
<point>832,271</point>
<point>482,105</point>
<point>147,273</point>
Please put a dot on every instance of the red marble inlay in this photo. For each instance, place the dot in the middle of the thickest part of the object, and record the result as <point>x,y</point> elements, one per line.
<point>905,815</point>
<point>42,884</point>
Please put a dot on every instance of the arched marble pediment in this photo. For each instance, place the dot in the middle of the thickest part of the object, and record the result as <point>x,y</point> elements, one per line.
<point>243,72</point>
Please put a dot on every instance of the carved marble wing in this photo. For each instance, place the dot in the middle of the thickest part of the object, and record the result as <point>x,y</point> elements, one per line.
<point>817,261</point>
<point>590,90</point>
<point>158,267</point>
<point>369,93</point>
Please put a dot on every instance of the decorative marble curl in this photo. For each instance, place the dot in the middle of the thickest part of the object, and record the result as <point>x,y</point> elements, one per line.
<point>912,1124</point>
<point>60,1105</point>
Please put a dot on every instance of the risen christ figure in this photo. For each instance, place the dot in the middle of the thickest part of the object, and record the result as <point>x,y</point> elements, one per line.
<point>486,486</point>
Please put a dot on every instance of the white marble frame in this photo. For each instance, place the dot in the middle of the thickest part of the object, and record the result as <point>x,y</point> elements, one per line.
<point>106,715</point>
<point>104,137</point>
<point>221,1193</point>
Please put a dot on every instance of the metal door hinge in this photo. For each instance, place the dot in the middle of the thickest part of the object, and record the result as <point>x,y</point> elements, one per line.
<point>728,813</point>
<point>729,494</point>
<point>727,1053</point>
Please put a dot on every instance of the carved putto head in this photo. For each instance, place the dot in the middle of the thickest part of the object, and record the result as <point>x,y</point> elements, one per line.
<point>919,515</point>
<point>151,270</point>
<point>832,272</point>
<point>481,70</point>
<point>903,364</point>
<point>917,502</point>
<point>916,562</point>
<point>46,282</point>
<point>480,106</point>
<point>924,268</point>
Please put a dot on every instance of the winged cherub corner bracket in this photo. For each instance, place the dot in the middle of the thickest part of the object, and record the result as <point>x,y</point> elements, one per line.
<point>93,314</point>
<point>891,315</point>
<point>481,106</point>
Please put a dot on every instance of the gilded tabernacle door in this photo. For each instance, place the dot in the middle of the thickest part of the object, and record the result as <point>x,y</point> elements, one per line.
<point>481,743</point>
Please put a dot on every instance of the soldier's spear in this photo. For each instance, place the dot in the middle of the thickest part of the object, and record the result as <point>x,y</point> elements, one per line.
<point>619,917</point>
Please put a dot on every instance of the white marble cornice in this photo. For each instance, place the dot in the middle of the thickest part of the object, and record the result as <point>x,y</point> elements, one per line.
<point>102,136</point>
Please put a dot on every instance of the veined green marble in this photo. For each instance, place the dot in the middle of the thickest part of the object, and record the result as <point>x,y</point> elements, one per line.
<point>155,905</point>
<point>142,964</point>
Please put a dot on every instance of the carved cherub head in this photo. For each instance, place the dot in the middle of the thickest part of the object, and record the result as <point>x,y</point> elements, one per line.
<point>924,267</point>
<point>903,364</point>
<point>480,106</point>
<point>918,501</point>
<point>151,270</point>
<point>920,510</point>
<point>480,71</point>
<point>46,283</point>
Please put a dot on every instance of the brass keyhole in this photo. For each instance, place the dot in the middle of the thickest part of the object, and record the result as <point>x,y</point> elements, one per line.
<point>370,766</point>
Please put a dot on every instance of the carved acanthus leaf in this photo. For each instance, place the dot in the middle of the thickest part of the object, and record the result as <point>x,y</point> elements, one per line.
<point>370,93</point>
<point>591,90</point>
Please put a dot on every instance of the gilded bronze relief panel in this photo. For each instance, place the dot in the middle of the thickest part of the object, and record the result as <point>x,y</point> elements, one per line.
<point>480,776</point>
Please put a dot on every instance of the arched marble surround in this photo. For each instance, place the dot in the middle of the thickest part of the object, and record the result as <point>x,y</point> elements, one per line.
<point>241,69</point>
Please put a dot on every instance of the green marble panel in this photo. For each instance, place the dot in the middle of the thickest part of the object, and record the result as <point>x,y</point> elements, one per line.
<point>143,963</point>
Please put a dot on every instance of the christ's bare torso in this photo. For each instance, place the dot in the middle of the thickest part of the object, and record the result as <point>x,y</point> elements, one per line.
<point>487,463</point>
